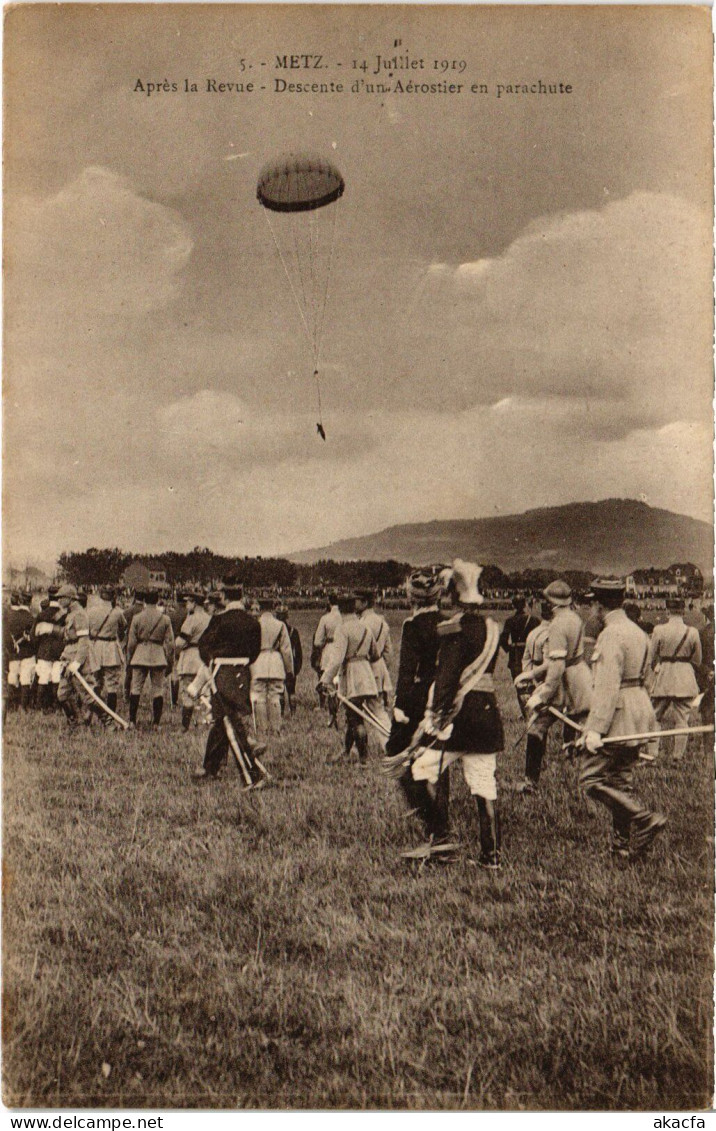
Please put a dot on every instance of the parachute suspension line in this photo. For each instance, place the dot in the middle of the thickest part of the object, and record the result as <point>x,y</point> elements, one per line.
<point>321,320</point>
<point>312,285</point>
<point>293,223</point>
<point>288,276</point>
<point>318,398</point>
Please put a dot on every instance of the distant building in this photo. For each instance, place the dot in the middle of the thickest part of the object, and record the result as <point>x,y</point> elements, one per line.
<point>681,579</point>
<point>144,575</point>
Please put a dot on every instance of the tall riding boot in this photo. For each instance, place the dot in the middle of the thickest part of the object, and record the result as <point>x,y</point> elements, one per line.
<point>361,743</point>
<point>70,712</point>
<point>25,696</point>
<point>489,833</point>
<point>186,717</point>
<point>133,708</point>
<point>157,708</point>
<point>534,754</point>
<point>112,700</point>
<point>441,807</point>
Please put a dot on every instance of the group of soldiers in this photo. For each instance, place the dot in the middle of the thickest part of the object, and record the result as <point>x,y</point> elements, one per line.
<point>604,680</point>
<point>77,657</point>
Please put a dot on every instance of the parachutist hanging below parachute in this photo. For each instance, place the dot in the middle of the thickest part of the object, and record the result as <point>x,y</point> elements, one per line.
<point>292,191</point>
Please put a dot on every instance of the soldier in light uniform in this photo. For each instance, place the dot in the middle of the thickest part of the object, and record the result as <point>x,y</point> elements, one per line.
<point>107,630</point>
<point>322,641</point>
<point>534,669</point>
<point>71,695</point>
<point>20,649</point>
<point>620,706</point>
<point>417,664</point>
<point>150,650</point>
<point>352,655</point>
<point>463,720</point>
<point>675,655</point>
<point>567,684</point>
<point>269,670</point>
<point>378,625</point>
<point>188,660</point>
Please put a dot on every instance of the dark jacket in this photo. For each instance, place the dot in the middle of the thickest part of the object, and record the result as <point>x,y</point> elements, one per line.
<point>416,672</point>
<point>16,635</point>
<point>477,728</point>
<point>234,633</point>
<point>514,635</point>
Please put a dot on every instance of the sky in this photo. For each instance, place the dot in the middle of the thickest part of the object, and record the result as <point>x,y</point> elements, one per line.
<point>518,311</point>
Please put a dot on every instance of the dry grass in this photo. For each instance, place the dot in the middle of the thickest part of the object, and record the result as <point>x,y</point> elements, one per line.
<point>270,950</point>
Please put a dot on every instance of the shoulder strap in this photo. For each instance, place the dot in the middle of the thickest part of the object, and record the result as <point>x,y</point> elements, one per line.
<point>155,626</point>
<point>96,634</point>
<point>680,645</point>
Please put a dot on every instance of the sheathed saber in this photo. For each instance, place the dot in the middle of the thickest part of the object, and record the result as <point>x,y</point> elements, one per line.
<point>100,702</point>
<point>646,735</point>
<point>367,717</point>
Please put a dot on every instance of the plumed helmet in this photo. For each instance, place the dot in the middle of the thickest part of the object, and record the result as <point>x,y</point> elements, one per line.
<point>558,592</point>
<point>464,579</point>
<point>67,590</point>
<point>425,585</point>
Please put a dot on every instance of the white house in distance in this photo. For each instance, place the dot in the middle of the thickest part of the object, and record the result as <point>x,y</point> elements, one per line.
<point>682,579</point>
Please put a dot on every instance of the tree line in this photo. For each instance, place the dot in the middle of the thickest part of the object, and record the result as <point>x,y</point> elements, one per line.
<point>201,566</point>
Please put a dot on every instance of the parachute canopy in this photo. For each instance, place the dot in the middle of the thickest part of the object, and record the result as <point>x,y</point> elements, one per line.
<point>299,184</point>
<point>291,186</point>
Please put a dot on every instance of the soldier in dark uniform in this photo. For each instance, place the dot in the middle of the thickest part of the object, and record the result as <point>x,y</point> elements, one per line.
<point>19,650</point>
<point>463,719</point>
<point>233,636</point>
<point>416,672</point>
<point>514,635</point>
<point>297,653</point>
<point>705,674</point>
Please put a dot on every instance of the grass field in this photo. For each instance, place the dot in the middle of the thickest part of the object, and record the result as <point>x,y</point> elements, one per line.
<point>173,946</point>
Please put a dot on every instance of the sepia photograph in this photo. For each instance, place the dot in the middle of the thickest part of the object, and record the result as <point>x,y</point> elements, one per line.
<point>358,558</point>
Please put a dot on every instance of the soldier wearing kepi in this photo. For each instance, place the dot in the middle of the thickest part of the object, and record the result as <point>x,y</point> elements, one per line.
<point>463,719</point>
<point>378,625</point>
<point>107,630</point>
<point>568,682</point>
<point>534,670</point>
<point>187,651</point>
<point>270,669</point>
<point>228,646</point>
<point>20,649</point>
<point>620,706</point>
<point>48,647</point>
<point>675,654</point>
<point>150,650</point>
<point>71,695</point>
<point>352,656</point>
<point>515,631</point>
<point>322,641</point>
<point>419,644</point>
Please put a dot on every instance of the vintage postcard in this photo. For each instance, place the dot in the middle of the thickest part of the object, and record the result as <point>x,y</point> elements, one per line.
<point>358,557</point>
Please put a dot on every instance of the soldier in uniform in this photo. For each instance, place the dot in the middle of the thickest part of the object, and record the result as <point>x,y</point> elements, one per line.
<point>20,650</point>
<point>463,719</point>
<point>150,650</point>
<point>352,655</point>
<point>187,651</point>
<point>534,670</point>
<point>270,669</point>
<point>567,684</point>
<point>322,641</point>
<point>48,647</point>
<point>419,644</point>
<point>620,706</point>
<point>705,674</point>
<point>675,656</point>
<point>107,630</point>
<point>378,625</point>
<point>71,695</point>
<point>514,635</point>
<point>297,652</point>
<point>233,637</point>
<point>136,607</point>
<point>176,611</point>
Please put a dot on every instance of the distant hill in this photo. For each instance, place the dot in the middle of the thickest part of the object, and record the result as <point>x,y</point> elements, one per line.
<point>611,536</point>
